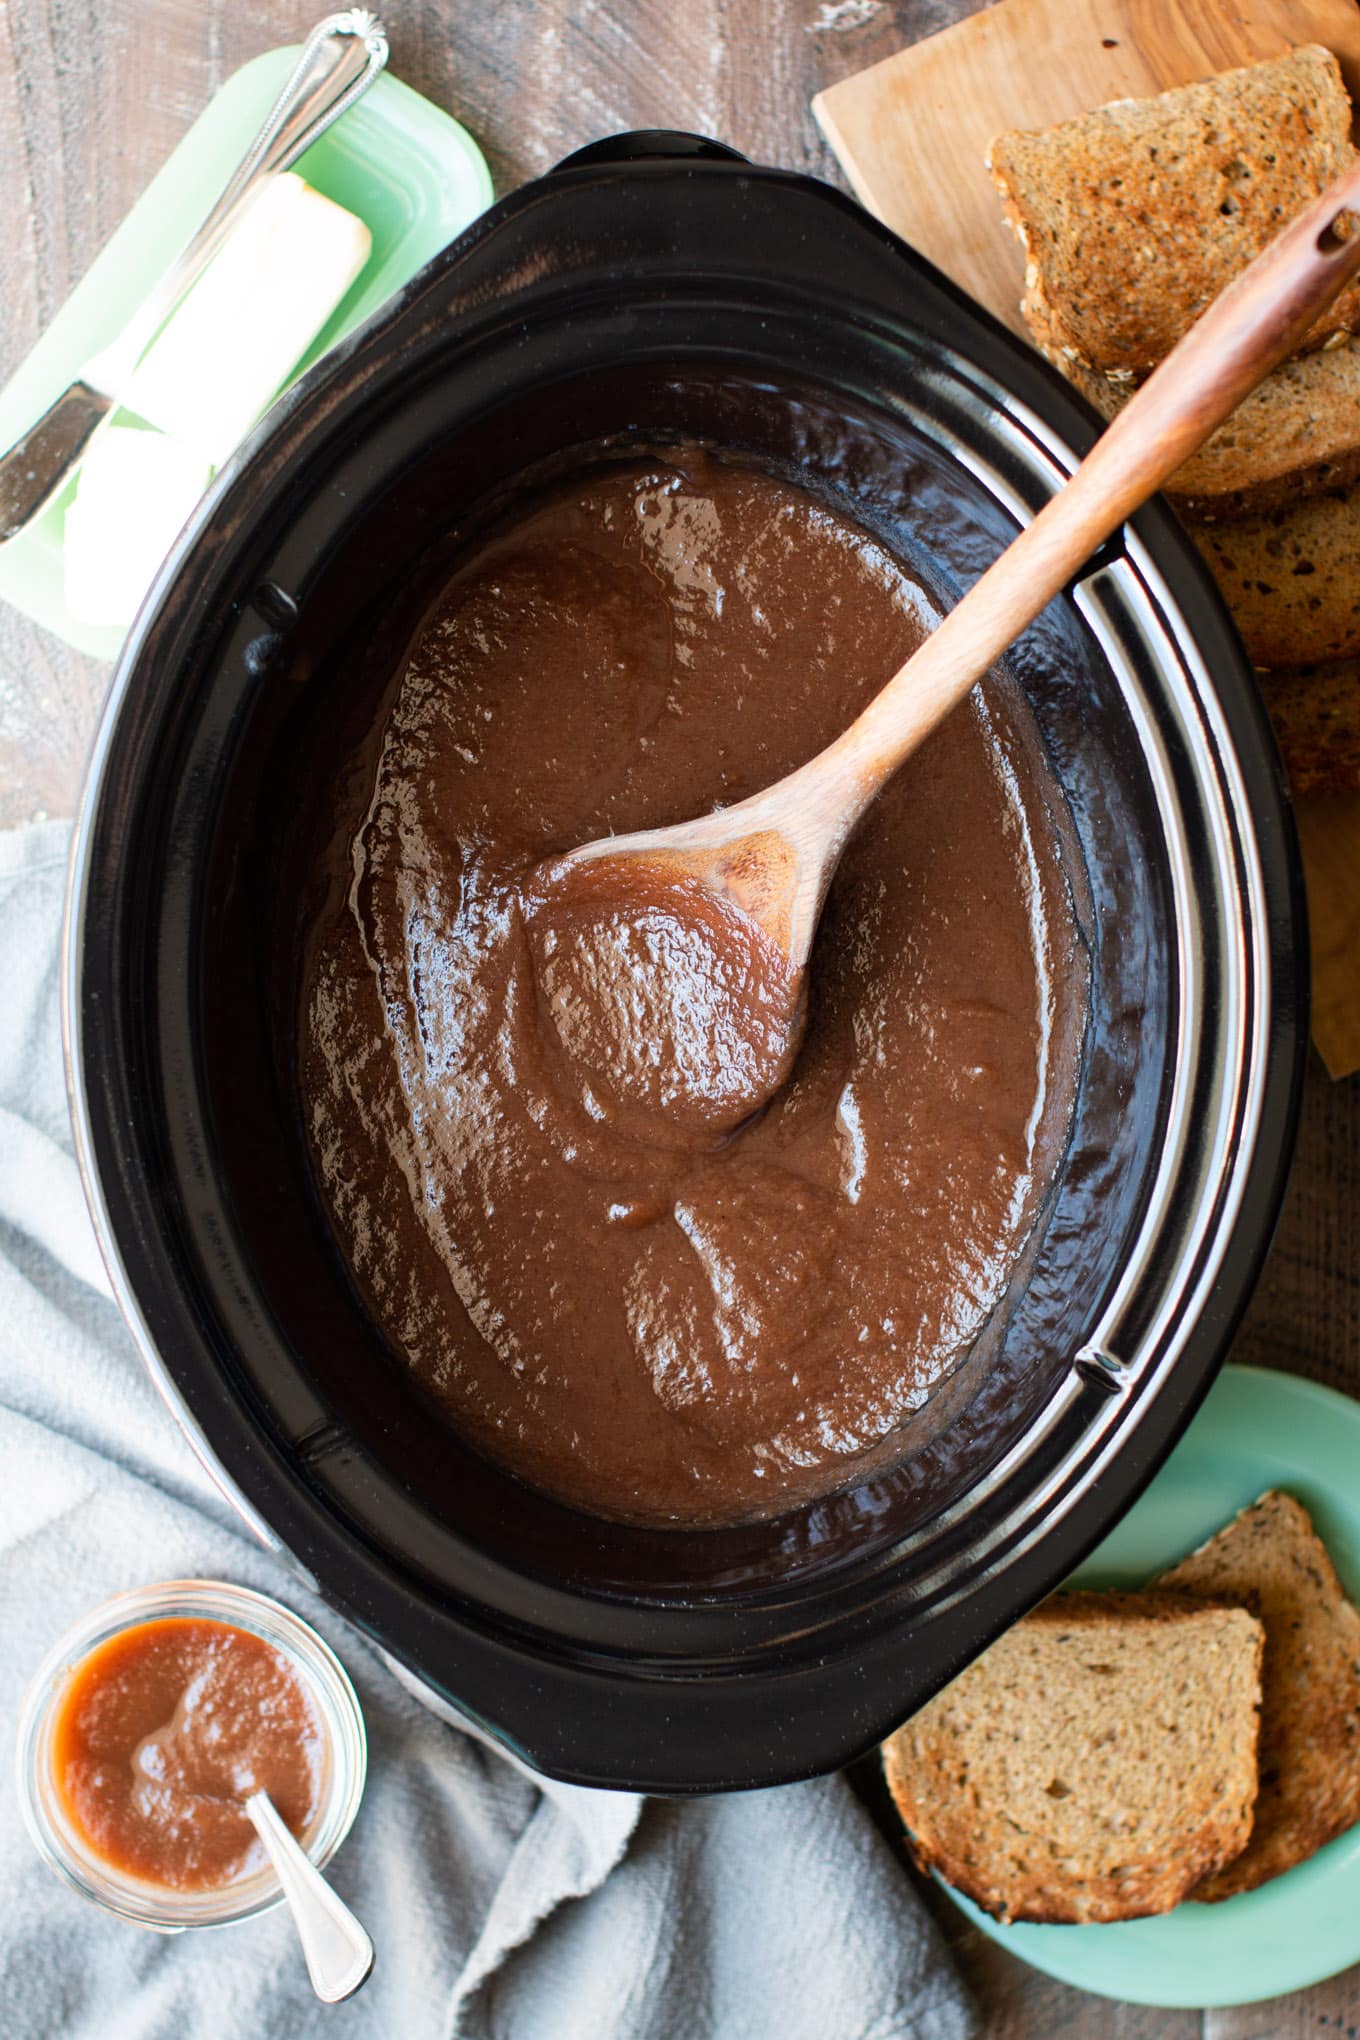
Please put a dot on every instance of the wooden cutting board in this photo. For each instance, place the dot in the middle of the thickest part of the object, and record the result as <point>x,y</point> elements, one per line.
<point>911,135</point>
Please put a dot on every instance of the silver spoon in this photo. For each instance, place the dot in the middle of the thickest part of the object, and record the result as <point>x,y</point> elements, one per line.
<point>338,1951</point>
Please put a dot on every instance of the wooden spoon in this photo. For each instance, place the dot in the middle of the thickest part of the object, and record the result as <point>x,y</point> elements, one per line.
<point>772,856</point>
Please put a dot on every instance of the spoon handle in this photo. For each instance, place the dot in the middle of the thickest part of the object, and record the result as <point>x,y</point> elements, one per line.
<point>1245,333</point>
<point>338,1951</point>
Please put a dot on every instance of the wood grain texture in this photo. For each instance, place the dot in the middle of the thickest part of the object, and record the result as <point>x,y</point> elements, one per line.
<point>80,139</point>
<point>913,132</point>
<point>1330,2012</point>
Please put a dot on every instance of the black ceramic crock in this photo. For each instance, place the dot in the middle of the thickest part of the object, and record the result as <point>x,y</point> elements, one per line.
<point>657,286</point>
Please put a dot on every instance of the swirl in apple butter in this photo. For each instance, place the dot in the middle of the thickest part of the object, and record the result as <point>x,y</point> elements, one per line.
<point>529,1108</point>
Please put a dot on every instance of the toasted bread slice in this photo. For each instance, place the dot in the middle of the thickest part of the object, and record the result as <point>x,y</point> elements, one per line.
<point>1297,434</point>
<point>1292,578</point>
<point>1096,1763</point>
<point>1133,218</point>
<point>1272,1558</point>
<point>1316,714</point>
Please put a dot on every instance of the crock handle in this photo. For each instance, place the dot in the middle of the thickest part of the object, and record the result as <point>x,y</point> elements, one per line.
<point>644,144</point>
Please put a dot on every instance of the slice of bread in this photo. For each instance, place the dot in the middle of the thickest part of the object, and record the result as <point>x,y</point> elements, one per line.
<point>1296,434</point>
<point>1316,714</point>
<point>1095,1764</point>
<point>1272,1558</point>
<point>1133,218</point>
<point>1292,578</point>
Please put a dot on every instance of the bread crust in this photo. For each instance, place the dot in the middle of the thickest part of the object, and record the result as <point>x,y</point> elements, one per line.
<point>1292,579</point>
<point>1271,1556</point>
<point>1011,1852</point>
<point>1295,435</point>
<point>1315,713</point>
<point>1134,217</point>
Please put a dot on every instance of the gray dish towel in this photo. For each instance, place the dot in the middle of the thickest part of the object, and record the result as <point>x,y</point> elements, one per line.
<point>500,1904</point>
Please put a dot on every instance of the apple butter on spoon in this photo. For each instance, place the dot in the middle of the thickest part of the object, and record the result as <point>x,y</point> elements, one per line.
<point>675,1008</point>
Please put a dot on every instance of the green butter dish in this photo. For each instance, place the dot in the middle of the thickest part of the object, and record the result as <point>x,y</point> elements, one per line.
<point>408,170</point>
<point>1256,1430</point>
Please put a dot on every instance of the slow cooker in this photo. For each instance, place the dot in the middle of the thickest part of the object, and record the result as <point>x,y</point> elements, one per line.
<point>656,286</point>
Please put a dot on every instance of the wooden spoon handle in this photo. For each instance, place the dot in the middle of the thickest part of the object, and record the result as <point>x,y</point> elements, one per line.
<point>1256,322</point>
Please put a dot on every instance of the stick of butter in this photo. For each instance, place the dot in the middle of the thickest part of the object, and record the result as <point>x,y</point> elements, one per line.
<point>250,318</point>
<point>135,491</point>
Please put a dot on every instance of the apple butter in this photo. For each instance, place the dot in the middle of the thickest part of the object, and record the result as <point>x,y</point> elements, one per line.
<point>530,1112</point>
<point>673,1006</point>
<point>165,1730</point>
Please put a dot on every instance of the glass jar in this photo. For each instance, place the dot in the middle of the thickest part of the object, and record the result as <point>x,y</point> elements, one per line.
<point>61,1844</point>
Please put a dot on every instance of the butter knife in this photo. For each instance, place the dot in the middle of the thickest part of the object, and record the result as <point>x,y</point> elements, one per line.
<point>336,65</point>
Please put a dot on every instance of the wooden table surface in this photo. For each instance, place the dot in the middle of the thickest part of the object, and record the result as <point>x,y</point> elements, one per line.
<point>93,96</point>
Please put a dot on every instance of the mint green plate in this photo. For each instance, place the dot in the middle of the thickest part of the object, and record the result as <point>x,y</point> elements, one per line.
<point>411,173</point>
<point>1256,1430</point>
